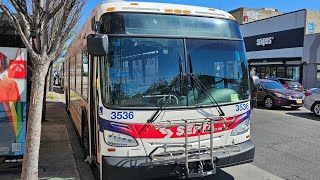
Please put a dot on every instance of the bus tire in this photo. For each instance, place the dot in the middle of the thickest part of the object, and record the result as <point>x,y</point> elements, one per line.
<point>85,134</point>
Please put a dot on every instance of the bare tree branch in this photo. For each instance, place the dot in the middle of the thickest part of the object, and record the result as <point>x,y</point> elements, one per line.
<point>44,26</point>
<point>36,24</point>
<point>21,9</point>
<point>74,7</point>
<point>14,21</point>
<point>56,9</point>
<point>23,16</point>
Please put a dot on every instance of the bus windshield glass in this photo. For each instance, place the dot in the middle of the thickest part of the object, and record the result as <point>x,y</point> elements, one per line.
<point>173,25</point>
<point>154,72</point>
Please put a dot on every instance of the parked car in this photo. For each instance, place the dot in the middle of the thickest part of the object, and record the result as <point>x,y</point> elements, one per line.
<point>312,100</point>
<point>272,94</point>
<point>289,84</point>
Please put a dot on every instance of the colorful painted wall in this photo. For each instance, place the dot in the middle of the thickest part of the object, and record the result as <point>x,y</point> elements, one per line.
<point>13,87</point>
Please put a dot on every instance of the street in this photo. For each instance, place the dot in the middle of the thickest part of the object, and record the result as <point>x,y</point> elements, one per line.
<point>287,143</point>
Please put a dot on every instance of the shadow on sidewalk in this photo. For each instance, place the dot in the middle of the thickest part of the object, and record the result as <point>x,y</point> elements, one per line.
<point>58,89</point>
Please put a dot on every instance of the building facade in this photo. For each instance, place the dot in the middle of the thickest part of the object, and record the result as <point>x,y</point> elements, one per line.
<point>247,15</point>
<point>285,46</point>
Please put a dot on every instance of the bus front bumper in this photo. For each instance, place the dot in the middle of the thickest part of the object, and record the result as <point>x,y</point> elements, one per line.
<point>144,168</point>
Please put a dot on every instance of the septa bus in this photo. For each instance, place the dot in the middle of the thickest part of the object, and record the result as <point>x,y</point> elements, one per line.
<point>158,90</point>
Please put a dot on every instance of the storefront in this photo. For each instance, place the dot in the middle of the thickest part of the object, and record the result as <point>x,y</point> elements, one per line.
<point>284,46</point>
<point>291,70</point>
<point>275,46</point>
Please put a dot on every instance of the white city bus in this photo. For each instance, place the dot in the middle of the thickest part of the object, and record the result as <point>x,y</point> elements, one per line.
<point>159,90</point>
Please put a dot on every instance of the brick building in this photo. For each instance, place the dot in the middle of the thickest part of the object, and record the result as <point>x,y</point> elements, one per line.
<point>246,15</point>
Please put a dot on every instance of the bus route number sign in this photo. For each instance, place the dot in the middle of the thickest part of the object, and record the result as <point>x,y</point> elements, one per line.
<point>122,115</point>
<point>242,107</point>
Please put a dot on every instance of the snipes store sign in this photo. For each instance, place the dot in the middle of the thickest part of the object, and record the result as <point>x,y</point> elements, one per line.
<point>265,41</point>
<point>291,38</point>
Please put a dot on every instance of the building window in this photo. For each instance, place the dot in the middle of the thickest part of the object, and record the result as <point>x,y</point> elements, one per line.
<point>281,72</point>
<point>318,72</point>
<point>296,73</point>
<point>274,71</point>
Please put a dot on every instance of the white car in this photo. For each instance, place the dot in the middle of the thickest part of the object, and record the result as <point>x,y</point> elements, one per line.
<point>312,100</point>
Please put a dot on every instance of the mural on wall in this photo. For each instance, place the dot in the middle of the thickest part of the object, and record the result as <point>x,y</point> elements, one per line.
<point>311,27</point>
<point>251,15</point>
<point>13,83</point>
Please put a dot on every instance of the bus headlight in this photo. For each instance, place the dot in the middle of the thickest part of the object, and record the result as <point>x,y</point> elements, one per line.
<point>118,139</point>
<point>241,128</point>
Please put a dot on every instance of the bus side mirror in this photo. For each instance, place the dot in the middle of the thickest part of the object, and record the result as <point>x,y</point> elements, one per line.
<point>97,45</point>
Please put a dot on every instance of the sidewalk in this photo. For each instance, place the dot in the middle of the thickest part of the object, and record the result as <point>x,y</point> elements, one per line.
<point>61,157</point>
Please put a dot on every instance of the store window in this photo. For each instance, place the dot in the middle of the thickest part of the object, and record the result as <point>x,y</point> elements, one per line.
<point>263,72</point>
<point>268,72</point>
<point>290,72</point>
<point>281,72</point>
<point>273,71</point>
<point>296,73</point>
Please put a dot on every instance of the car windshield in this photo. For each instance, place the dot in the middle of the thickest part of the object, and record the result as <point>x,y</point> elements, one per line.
<point>149,72</point>
<point>272,85</point>
<point>314,91</point>
<point>293,83</point>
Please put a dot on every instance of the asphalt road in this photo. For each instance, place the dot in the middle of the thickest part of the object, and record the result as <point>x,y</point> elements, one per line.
<point>287,143</point>
<point>287,147</point>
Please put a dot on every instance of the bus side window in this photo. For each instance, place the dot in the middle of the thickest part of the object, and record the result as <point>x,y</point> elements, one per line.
<point>85,77</point>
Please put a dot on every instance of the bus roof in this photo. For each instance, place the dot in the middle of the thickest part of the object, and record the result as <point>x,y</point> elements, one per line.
<point>155,7</point>
<point>142,7</point>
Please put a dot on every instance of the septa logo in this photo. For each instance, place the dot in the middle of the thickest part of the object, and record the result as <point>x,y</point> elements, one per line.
<point>180,131</point>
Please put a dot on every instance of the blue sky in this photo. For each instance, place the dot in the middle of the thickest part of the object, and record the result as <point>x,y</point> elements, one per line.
<point>227,5</point>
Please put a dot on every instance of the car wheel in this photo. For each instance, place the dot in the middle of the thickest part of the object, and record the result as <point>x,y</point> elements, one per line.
<point>268,102</point>
<point>316,109</point>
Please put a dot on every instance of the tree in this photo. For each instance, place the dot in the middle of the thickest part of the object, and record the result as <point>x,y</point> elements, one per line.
<point>44,27</point>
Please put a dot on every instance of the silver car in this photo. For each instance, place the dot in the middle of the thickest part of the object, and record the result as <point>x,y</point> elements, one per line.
<point>312,100</point>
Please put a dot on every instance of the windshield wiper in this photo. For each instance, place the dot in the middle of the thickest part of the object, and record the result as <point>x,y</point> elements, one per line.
<point>196,81</point>
<point>166,102</point>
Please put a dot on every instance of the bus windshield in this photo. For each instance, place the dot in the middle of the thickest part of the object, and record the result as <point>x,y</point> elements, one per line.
<point>168,25</point>
<point>151,72</point>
